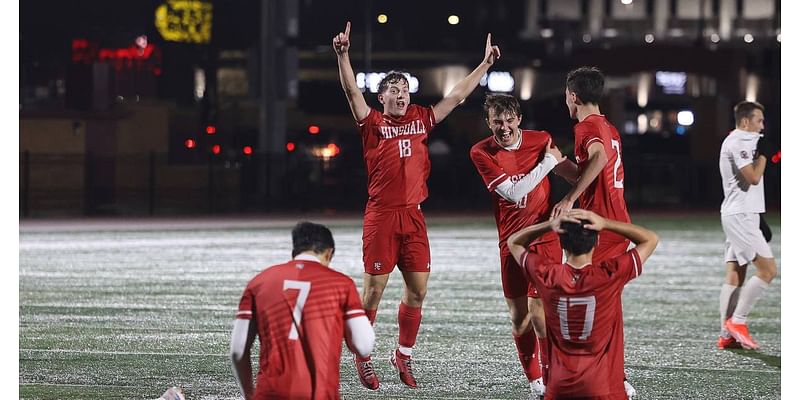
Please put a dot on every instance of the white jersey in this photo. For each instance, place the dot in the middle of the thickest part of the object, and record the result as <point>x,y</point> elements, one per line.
<point>738,150</point>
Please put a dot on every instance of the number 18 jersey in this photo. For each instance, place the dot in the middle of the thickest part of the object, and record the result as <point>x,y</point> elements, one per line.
<point>396,156</point>
<point>583,311</point>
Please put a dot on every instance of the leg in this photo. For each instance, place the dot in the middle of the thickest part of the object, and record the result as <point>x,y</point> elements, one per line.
<point>728,298</point>
<point>373,292</point>
<point>409,318</point>
<point>766,269</point>
<point>525,340</point>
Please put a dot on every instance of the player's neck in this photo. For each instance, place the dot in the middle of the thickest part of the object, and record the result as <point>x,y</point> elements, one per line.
<point>312,256</point>
<point>739,128</point>
<point>587,110</point>
<point>580,261</point>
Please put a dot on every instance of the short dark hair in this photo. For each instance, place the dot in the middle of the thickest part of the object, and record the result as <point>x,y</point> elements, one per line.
<point>587,83</point>
<point>310,236</point>
<point>501,103</point>
<point>576,239</point>
<point>745,110</point>
<point>391,77</point>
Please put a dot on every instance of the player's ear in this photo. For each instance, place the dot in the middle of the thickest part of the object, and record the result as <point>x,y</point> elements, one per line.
<point>380,98</point>
<point>519,117</point>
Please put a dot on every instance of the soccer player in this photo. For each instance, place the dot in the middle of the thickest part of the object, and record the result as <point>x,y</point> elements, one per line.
<point>742,171</point>
<point>300,311</point>
<point>583,302</point>
<point>514,164</point>
<point>396,155</point>
<point>599,176</point>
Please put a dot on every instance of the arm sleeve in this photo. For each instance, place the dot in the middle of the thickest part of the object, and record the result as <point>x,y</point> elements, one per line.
<point>359,334</point>
<point>742,154</point>
<point>241,328</point>
<point>246,305</point>
<point>489,170</point>
<point>627,266</point>
<point>585,135</point>
<point>516,191</point>
<point>428,118</point>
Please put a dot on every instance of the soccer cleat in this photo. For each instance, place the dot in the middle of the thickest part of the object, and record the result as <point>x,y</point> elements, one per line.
<point>403,365</point>
<point>366,373</point>
<point>728,343</point>
<point>629,389</point>
<point>741,334</point>
<point>537,389</point>
<point>173,393</point>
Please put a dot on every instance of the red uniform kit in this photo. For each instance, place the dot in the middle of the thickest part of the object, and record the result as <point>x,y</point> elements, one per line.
<point>583,310</point>
<point>396,155</point>
<point>496,164</point>
<point>605,195</point>
<point>300,328</point>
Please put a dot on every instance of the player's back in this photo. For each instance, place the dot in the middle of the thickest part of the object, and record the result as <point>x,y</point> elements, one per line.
<point>605,195</point>
<point>583,310</point>
<point>300,308</point>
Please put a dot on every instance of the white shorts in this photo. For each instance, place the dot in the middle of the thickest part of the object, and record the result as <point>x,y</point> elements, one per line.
<point>743,238</point>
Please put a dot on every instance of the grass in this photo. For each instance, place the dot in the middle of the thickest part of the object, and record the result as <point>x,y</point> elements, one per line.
<point>124,310</point>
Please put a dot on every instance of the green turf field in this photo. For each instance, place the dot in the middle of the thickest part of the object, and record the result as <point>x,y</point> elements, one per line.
<point>124,309</point>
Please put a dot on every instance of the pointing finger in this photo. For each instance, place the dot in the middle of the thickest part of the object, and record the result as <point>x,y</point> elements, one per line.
<point>347,29</point>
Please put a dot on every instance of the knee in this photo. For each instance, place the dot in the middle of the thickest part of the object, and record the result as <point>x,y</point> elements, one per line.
<point>415,296</point>
<point>520,322</point>
<point>372,294</point>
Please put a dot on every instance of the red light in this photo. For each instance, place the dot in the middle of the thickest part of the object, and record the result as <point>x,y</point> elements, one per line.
<point>313,129</point>
<point>290,147</point>
<point>776,158</point>
<point>190,143</point>
<point>334,149</point>
<point>211,129</point>
<point>216,149</point>
<point>247,150</point>
<point>156,71</point>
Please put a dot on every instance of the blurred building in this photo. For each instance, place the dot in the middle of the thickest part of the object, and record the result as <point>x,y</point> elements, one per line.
<point>177,106</point>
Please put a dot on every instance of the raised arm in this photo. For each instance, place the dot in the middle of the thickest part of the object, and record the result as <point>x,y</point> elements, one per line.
<point>460,92</point>
<point>645,239</point>
<point>341,45</point>
<point>597,160</point>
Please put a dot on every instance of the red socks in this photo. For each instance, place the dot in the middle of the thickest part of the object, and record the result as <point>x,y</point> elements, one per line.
<point>544,357</point>
<point>371,315</point>
<point>526,349</point>
<point>409,319</point>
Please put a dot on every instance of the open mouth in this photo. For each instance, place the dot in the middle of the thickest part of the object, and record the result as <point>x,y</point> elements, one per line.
<point>401,104</point>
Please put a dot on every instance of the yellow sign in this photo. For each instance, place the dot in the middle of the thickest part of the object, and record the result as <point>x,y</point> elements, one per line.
<point>184,21</point>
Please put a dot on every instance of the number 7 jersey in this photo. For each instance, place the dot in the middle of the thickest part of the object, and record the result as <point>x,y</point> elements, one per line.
<point>396,156</point>
<point>605,195</point>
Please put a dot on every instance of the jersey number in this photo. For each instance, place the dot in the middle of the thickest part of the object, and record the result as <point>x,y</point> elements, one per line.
<point>615,145</point>
<point>405,147</point>
<point>564,304</point>
<point>304,288</point>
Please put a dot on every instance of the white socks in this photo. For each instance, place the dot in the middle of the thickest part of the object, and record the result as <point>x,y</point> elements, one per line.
<point>406,351</point>
<point>728,298</point>
<point>749,295</point>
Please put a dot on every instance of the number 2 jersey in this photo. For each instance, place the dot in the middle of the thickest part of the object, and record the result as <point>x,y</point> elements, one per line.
<point>583,311</point>
<point>496,164</point>
<point>605,195</point>
<point>298,357</point>
<point>396,156</point>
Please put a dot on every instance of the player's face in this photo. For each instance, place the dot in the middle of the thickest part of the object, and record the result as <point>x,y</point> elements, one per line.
<point>756,122</point>
<point>395,99</point>
<point>571,106</point>
<point>504,127</point>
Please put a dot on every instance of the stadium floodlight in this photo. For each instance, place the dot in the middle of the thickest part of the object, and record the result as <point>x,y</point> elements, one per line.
<point>685,118</point>
<point>500,81</point>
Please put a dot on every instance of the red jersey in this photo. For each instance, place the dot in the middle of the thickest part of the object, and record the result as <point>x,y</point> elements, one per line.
<point>605,195</point>
<point>583,311</point>
<point>300,308</point>
<point>496,164</point>
<point>396,155</point>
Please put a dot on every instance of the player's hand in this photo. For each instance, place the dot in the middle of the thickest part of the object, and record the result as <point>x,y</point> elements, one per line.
<point>596,222</point>
<point>341,42</point>
<point>555,223</point>
<point>561,207</point>
<point>553,149</point>
<point>492,52</point>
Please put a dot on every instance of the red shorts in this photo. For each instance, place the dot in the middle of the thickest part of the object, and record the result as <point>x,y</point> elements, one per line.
<point>609,245</point>
<point>515,284</point>
<point>395,237</point>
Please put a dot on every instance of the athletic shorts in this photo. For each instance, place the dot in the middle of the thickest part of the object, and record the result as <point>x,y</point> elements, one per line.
<point>743,238</point>
<point>515,284</point>
<point>395,237</point>
<point>609,245</point>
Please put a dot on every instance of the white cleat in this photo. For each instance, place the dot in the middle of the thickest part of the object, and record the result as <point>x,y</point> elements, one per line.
<point>629,389</point>
<point>537,389</point>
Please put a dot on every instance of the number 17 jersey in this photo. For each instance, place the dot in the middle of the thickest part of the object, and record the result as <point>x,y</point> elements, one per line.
<point>583,311</point>
<point>396,156</point>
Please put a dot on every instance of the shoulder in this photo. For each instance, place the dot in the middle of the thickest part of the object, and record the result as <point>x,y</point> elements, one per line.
<point>482,148</point>
<point>535,136</point>
<point>373,117</point>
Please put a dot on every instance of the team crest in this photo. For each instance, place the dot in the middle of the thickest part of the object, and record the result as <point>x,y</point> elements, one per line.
<point>377,266</point>
<point>744,155</point>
